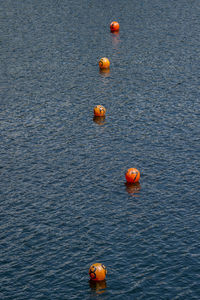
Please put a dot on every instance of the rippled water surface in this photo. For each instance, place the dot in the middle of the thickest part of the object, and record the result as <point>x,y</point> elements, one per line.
<point>64,203</point>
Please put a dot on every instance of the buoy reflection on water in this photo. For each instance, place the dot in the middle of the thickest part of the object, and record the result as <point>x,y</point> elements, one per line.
<point>99,120</point>
<point>98,286</point>
<point>133,188</point>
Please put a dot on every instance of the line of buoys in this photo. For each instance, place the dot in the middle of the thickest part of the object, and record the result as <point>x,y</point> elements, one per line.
<point>104,62</point>
<point>98,271</point>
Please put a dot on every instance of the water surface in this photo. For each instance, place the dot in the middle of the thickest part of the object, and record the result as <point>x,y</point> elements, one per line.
<point>64,201</point>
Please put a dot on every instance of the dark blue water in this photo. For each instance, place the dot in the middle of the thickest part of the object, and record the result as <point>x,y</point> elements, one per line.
<point>63,200</point>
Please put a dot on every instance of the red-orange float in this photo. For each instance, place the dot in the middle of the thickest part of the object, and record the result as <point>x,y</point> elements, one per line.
<point>97,272</point>
<point>99,111</point>
<point>114,26</point>
<point>132,175</point>
<point>104,63</point>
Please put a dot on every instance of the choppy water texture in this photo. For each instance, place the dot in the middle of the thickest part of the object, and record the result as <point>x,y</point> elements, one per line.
<point>64,203</point>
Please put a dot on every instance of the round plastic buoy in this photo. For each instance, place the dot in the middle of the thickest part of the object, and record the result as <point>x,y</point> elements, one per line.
<point>114,26</point>
<point>104,63</point>
<point>132,175</point>
<point>99,111</point>
<point>97,272</point>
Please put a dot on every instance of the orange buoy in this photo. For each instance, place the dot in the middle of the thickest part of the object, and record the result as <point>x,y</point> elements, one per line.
<point>104,63</point>
<point>99,111</point>
<point>97,272</point>
<point>114,26</point>
<point>132,175</point>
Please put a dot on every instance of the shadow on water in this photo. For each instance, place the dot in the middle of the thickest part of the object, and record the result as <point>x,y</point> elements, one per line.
<point>133,188</point>
<point>98,287</point>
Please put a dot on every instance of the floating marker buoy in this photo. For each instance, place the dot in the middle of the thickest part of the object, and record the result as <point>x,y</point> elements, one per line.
<point>99,111</point>
<point>132,175</point>
<point>97,272</point>
<point>114,26</point>
<point>104,63</point>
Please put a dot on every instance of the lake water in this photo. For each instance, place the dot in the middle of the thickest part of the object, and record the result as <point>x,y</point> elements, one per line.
<point>64,203</point>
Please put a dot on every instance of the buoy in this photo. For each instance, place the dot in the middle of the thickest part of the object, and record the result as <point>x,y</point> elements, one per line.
<point>99,111</point>
<point>104,63</point>
<point>114,26</point>
<point>132,175</point>
<point>97,272</point>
